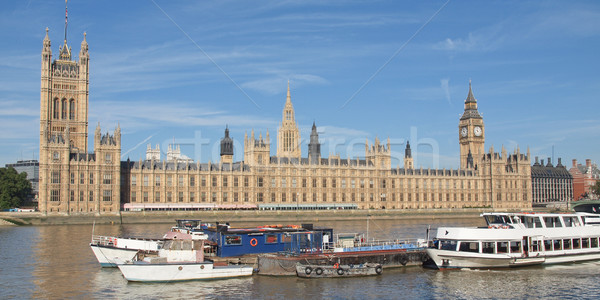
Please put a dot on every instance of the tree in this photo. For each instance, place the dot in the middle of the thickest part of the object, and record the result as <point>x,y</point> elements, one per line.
<point>14,188</point>
<point>595,189</point>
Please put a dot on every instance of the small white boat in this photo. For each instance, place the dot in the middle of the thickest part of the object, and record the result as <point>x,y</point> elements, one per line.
<point>179,260</point>
<point>110,249</point>
<point>517,239</point>
<point>337,270</point>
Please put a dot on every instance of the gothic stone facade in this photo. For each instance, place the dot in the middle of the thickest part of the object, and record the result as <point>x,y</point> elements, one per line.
<point>74,181</point>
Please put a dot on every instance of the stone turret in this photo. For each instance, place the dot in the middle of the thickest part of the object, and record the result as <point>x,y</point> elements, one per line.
<point>226,148</point>
<point>314,147</point>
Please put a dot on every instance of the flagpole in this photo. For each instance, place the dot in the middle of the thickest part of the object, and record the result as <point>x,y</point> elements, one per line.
<point>65,22</point>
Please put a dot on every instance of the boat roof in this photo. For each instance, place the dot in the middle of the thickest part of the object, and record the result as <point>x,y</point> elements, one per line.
<point>543,214</point>
<point>263,229</point>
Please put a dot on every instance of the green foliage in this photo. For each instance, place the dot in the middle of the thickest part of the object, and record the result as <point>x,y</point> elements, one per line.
<point>14,188</point>
<point>596,188</point>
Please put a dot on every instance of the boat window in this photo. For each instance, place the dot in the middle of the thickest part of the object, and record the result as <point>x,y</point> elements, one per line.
<point>557,244</point>
<point>594,242</point>
<point>233,240</point>
<point>495,219</point>
<point>571,221</point>
<point>270,238</point>
<point>585,243</point>
<point>529,222</point>
<point>198,245</point>
<point>502,247</point>
<point>448,245</point>
<point>535,246</point>
<point>538,222</point>
<point>552,222</point>
<point>566,244</point>
<point>576,243</point>
<point>469,246</point>
<point>515,247</point>
<point>488,247</point>
<point>286,238</point>
<point>548,245</point>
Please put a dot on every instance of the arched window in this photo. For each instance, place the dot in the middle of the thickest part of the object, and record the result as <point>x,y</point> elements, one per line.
<point>64,109</point>
<point>72,109</point>
<point>55,109</point>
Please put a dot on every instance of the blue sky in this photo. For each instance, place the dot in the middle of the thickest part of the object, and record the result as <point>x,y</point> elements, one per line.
<point>183,70</point>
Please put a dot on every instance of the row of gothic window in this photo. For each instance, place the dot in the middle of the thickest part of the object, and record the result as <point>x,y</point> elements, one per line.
<point>62,110</point>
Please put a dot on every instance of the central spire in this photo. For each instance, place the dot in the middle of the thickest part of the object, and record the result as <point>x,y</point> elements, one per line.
<point>288,139</point>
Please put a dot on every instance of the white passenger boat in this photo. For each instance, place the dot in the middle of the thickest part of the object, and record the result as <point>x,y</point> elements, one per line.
<point>179,260</point>
<point>109,249</point>
<point>517,239</point>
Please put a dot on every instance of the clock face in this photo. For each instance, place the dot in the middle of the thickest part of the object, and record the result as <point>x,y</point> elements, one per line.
<point>463,131</point>
<point>477,131</point>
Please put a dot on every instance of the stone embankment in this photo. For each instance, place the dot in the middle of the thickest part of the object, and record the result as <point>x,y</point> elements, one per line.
<point>234,216</point>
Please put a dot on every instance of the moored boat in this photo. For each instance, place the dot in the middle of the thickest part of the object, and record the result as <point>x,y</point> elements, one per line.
<point>110,249</point>
<point>337,270</point>
<point>516,239</point>
<point>346,249</point>
<point>178,260</point>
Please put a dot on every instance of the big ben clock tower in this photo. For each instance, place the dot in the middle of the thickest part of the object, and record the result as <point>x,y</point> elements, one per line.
<point>471,133</point>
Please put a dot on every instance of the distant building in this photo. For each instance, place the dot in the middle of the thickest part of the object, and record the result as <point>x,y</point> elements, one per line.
<point>32,168</point>
<point>583,178</point>
<point>550,183</point>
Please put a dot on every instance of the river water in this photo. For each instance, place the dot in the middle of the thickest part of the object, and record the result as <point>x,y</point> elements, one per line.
<point>55,262</point>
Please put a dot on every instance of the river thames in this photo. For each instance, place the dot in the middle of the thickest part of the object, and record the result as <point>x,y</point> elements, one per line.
<point>55,262</point>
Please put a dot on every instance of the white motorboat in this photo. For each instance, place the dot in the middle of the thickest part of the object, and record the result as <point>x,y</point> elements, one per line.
<point>179,260</point>
<point>109,249</point>
<point>517,239</point>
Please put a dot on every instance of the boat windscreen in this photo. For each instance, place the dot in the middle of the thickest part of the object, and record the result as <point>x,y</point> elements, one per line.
<point>497,219</point>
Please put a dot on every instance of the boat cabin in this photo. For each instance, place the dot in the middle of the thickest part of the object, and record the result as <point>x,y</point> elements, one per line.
<point>261,239</point>
<point>519,234</point>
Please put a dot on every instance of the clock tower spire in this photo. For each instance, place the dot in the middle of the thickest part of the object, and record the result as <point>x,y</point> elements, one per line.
<point>471,133</point>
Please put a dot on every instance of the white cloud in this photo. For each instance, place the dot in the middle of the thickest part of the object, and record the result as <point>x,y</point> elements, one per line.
<point>275,85</point>
<point>444,85</point>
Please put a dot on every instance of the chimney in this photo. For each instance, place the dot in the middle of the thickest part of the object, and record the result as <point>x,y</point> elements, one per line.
<point>588,162</point>
<point>549,162</point>
<point>559,163</point>
<point>574,163</point>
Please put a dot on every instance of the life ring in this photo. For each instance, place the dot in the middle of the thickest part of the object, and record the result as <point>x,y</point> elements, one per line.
<point>336,265</point>
<point>403,260</point>
<point>378,269</point>
<point>340,271</point>
<point>318,271</point>
<point>253,242</point>
<point>308,270</point>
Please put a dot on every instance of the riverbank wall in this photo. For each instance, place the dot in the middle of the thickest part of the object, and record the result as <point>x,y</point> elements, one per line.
<point>233,216</point>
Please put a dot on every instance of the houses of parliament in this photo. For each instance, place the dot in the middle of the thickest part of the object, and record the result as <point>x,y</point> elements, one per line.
<point>75,181</point>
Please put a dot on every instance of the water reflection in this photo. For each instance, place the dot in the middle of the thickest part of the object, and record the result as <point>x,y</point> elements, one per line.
<point>56,262</point>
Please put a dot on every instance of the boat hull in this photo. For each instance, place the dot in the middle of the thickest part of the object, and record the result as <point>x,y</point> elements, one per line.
<point>109,256</point>
<point>148,272</point>
<point>285,265</point>
<point>446,259</point>
<point>333,271</point>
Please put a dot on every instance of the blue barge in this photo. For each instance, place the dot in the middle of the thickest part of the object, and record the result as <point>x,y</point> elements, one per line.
<point>232,241</point>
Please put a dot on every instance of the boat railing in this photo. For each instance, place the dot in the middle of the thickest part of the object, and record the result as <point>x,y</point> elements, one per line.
<point>362,243</point>
<point>112,240</point>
